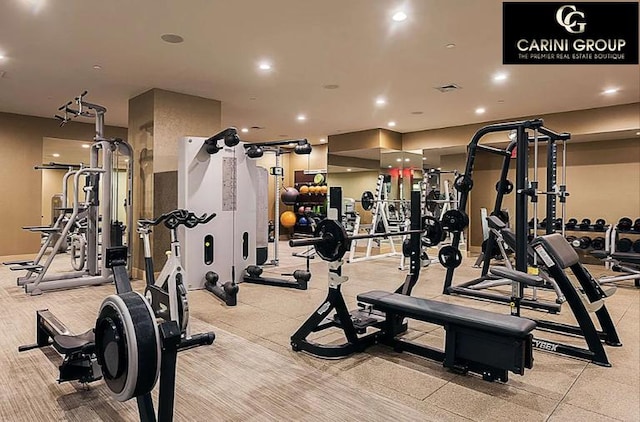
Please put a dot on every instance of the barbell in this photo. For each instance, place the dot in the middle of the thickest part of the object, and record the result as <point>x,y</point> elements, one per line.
<point>367,200</point>
<point>331,241</point>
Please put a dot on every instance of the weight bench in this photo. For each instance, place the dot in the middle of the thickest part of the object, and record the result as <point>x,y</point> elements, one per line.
<point>482,342</point>
<point>623,262</point>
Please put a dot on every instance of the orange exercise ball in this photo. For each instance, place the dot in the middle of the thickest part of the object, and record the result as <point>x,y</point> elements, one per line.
<point>288,219</point>
<point>304,189</point>
<point>323,189</point>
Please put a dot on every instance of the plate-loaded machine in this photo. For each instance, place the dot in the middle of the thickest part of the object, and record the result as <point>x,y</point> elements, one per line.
<point>127,347</point>
<point>581,305</point>
<point>100,231</point>
<point>477,341</point>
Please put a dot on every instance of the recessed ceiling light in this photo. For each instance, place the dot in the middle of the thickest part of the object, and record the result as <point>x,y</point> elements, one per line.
<point>244,130</point>
<point>126,160</point>
<point>323,140</point>
<point>172,38</point>
<point>439,168</point>
<point>331,86</point>
<point>391,124</point>
<point>86,146</point>
<point>301,117</point>
<point>450,45</point>
<point>55,154</point>
<point>424,158</point>
<point>97,67</point>
<point>407,159</point>
<point>264,66</point>
<point>399,16</point>
<point>610,91</point>
<point>389,166</point>
<point>1,56</point>
<point>480,110</point>
<point>348,169</point>
<point>499,77</point>
<point>380,101</point>
<point>638,133</point>
<point>398,159</point>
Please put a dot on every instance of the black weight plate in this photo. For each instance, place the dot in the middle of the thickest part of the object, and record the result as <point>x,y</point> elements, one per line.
<point>367,200</point>
<point>455,220</point>
<point>463,183</point>
<point>625,223</point>
<point>585,223</point>
<point>571,223</point>
<point>336,242</point>
<point>599,224</point>
<point>636,225</point>
<point>507,187</point>
<point>450,257</point>
<point>598,243</point>
<point>433,232</point>
<point>624,245</point>
<point>636,246</point>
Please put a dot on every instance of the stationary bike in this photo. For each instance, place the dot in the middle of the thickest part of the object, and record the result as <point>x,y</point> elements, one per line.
<point>168,294</point>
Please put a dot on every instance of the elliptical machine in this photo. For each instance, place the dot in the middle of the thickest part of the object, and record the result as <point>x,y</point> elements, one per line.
<point>168,294</point>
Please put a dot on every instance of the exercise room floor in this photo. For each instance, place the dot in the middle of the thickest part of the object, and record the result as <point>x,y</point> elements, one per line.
<point>251,374</point>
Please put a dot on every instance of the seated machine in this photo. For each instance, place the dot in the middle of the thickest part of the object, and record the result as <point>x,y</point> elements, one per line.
<point>127,347</point>
<point>477,341</point>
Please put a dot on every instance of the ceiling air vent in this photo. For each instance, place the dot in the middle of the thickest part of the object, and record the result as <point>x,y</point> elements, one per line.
<point>257,127</point>
<point>448,88</point>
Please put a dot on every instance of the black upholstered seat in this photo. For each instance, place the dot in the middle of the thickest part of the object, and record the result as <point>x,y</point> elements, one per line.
<point>65,344</point>
<point>446,313</point>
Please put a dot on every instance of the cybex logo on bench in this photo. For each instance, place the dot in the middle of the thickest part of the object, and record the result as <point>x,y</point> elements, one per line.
<point>570,33</point>
<point>544,345</point>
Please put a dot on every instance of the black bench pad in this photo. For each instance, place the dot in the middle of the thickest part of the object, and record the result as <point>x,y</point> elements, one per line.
<point>446,313</point>
<point>67,344</point>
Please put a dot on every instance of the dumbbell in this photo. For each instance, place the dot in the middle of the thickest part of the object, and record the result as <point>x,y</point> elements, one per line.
<point>636,225</point>
<point>571,223</point>
<point>625,224</point>
<point>530,223</point>
<point>570,239</point>
<point>598,243</point>
<point>585,224</point>
<point>543,223</point>
<point>624,245</point>
<point>582,242</point>
<point>253,271</point>
<point>636,246</point>
<point>300,275</point>
<point>558,224</point>
<point>599,224</point>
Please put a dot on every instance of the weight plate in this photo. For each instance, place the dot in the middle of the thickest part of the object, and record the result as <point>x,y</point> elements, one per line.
<point>433,232</point>
<point>636,225</point>
<point>463,183</point>
<point>455,220</point>
<point>432,197</point>
<point>450,257</point>
<point>624,245</point>
<point>507,188</point>
<point>367,200</point>
<point>625,223</point>
<point>336,242</point>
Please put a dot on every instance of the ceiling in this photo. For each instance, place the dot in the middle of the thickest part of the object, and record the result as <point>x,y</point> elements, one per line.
<point>50,52</point>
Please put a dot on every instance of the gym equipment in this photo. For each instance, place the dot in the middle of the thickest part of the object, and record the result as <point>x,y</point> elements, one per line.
<point>571,224</point>
<point>505,187</point>
<point>624,244</point>
<point>93,224</point>
<point>253,274</point>
<point>168,294</point>
<point>600,224</point>
<point>598,243</point>
<point>626,263</point>
<point>127,347</point>
<point>625,224</point>
<point>636,225</point>
<point>278,148</point>
<point>230,185</point>
<point>288,219</point>
<point>303,221</point>
<point>477,341</point>
<point>455,220</point>
<point>230,137</point>
<point>290,195</point>
<point>557,224</point>
<point>304,190</point>
<point>584,224</point>
<point>590,296</point>
<point>463,183</point>
<point>636,246</point>
<point>582,242</point>
<point>570,239</point>
<point>450,257</point>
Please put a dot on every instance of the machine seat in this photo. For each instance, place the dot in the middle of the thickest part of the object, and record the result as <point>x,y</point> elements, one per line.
<point>442,313</point>
<point>66,344</point>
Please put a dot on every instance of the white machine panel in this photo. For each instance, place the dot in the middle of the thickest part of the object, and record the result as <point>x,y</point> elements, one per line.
<point>223,183</point>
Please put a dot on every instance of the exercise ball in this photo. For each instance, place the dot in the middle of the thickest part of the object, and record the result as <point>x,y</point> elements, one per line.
<point>304,189</point>
<point>289,196</point>
<point>324,189</point>
<point>313,189</point>
<point>288,219</point>
<point>303,221</point>
<point>301,210</point>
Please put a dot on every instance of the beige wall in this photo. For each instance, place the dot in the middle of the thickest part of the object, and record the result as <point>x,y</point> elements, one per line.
<point>21,185</point>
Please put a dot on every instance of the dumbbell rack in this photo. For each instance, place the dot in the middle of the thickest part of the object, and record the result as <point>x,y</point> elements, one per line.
<point>584,253</point>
